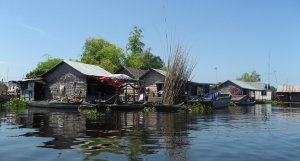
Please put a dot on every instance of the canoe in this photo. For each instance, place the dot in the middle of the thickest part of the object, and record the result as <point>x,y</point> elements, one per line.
<point>58,104</point>
<point>245,103</point>
<point>125,106</point>
<point>165,107</point>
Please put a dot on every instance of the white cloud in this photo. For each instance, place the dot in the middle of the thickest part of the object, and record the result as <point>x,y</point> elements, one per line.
<point>35,29</point>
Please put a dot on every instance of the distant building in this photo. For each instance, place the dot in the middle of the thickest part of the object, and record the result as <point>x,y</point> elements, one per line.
<point>288,93</point>
<point>254,90</point>
<point>66,79</point>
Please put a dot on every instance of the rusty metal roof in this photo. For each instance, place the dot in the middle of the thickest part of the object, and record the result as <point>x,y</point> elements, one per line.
<point>288,89</point>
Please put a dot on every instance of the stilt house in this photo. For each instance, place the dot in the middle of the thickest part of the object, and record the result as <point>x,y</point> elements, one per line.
<point>67,79</point>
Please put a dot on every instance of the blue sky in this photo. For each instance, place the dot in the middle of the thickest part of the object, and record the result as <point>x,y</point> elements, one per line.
<point>236,36</point>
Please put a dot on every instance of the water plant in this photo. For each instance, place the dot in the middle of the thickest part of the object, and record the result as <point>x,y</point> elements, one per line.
<point>17,105</point>
<point>184,108</point>
<point>92,114</point>
<point>231,104</point>
<point>149,109</point>
<point>201,109</point>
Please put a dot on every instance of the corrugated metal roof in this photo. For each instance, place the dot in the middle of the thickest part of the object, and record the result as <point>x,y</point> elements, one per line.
<point>288,89</point>
<point>244,85</point>
<point>88,69</point>
<point>258,85</point>
<point>162,72</point>
<point>137,73</point>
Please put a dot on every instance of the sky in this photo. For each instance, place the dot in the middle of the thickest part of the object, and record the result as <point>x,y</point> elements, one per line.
<point>225,38</point>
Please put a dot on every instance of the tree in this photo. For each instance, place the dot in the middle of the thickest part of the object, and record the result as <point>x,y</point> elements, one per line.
<point>102,53</point>
<point>151,61</point>
<point>137,56</point>
<point>252,77</point>
<point>135,45</point>
<point>43,67</point>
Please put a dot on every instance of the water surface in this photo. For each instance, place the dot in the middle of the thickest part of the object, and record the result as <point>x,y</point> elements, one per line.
<point>261,132</point>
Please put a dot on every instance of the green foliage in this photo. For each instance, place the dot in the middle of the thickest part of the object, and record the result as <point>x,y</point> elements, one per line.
<point>232,104</point>
<point>201,109</point>
<point>135,45</point>
<point>92,114</point>
<point>184,109</point>
<point>102,53</point>
<point>149,109</point>
<point>16,105</point>
<point>43,67</point>
<point>137,56</point>
<point>274,103</point>
<point>252,77</point>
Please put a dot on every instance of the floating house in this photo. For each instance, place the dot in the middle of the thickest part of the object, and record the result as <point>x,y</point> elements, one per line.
<point>153,81</point>
<point>256,91</point>
<point>288,93</point>
<point>131,72</point>
<point>67,79</point>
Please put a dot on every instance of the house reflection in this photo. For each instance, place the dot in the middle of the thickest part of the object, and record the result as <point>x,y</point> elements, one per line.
<point>63,127</point>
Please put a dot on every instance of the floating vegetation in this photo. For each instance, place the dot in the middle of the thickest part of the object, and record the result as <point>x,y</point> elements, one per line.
<point>149,109</point>
<point>275,103</point>
<point>184,109</point>
<point>92,114</point>
<point>108,109</point>
<point>200,109</point>
<point>231,104</point>
<point>16,105</point>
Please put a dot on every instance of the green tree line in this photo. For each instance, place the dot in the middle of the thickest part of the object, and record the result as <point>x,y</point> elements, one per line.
<point>109,56</point>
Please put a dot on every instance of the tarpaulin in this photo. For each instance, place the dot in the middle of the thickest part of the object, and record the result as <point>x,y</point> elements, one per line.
<point>109,81</point>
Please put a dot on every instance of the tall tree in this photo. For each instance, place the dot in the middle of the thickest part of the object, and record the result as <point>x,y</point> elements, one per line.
<point>135,45</point>
<point>137,56</point>
<point>250,77</point>
<point>102,53</point>
<point>43,66</point>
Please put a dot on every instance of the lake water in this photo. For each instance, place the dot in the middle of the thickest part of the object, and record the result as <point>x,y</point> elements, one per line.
<point>261,132</point>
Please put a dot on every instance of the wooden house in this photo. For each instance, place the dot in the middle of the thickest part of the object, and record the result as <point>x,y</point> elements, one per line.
<point>131,72</point>
<point>264,91</point>
<point>288,93</point>
<point>67,79</point>
<point>153,81</point>
<point>256,91</point>
<point>32,89</point>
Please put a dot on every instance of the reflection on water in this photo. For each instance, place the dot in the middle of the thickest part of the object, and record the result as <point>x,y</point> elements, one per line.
<point>235,133</point>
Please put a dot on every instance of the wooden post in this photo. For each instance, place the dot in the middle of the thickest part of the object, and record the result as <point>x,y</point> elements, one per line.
<point>126,94</point>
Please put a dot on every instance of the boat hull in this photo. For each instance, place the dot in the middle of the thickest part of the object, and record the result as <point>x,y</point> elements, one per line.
<point>46,104</point>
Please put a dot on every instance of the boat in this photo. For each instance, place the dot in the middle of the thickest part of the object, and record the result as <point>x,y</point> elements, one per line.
<point>125,106</point>
<point>53,104</point>
<point>213,100</point>
<point>246,103</point>
<point>166,107</point>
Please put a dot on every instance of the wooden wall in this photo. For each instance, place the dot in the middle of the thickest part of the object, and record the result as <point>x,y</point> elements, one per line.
<point>150,81</point>
<point>65,81</point>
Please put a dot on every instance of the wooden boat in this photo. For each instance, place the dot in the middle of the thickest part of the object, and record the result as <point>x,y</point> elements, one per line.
<point>54,104</point>
<point>164,107</point>
<point>125,106</point>
<point>247,103</point>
